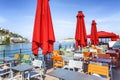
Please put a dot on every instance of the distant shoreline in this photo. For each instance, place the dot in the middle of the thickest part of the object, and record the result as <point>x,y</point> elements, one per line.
<point>67,40</point>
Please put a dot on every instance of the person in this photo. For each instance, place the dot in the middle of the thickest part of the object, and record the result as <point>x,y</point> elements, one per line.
<point>60,46</point>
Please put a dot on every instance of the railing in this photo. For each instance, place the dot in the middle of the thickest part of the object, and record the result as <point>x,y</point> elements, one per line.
<point>4,53</point>
<point>10,53</point>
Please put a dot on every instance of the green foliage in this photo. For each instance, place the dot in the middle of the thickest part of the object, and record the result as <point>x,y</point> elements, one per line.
<point>7,41</point>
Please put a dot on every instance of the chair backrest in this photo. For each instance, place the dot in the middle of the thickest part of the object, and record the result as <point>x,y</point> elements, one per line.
<point>16,56</point>
<point>58,61</point>
<point>106,56</point>
<point>86,54</point>
<point>21,55</point>
<point>37,63</point>
<point>71,63</point>
<point>68,54</point>
<point>57,58</point>
<point>78,64</point>
<point>26,57</point>
<point>78,55</point>
<point>63,49</point>
<point>55,52</point>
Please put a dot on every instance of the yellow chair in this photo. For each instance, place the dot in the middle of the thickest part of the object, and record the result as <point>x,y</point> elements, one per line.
<point>99,69</point>
<point>58,61</point>
<point>55,52</point>
<point>87,55</point>
<point>17,58</point>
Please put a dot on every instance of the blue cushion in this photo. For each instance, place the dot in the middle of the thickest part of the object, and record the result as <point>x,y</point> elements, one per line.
<point>31,74</point>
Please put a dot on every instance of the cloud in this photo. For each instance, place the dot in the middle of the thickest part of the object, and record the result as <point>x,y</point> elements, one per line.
<point>2,20</point>
<point>113,18</point>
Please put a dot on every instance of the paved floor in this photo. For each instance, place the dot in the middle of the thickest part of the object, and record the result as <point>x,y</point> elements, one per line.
<point>116,74</point>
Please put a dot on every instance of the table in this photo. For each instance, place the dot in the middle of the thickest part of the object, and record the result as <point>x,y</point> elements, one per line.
<point>102,60</point>
<point>72,75</point>
<point>22,68</point>
<point>112,53</point>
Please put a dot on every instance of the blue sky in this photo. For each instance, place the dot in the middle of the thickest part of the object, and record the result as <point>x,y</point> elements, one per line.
<point>18,16</point>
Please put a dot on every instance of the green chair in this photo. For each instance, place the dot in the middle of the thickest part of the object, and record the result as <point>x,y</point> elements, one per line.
<point>25,59</point>
<point>68,54</point>
<point>62,50</point>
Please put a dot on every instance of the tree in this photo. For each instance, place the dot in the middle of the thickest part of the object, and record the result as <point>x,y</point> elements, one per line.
<point>7,41</point>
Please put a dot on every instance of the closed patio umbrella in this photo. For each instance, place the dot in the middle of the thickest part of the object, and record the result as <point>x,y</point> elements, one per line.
<point>43,33</point>
<point>94,35</point>
<point>80,35</point>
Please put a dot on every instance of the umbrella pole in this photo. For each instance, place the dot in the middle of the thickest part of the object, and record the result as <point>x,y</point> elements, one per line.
<point>44,67</point>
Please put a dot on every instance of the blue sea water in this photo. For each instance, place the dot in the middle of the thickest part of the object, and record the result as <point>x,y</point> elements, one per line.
<point>12,49</point>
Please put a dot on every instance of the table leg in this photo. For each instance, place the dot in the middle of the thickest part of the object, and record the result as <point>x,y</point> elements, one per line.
<point>111,75</point>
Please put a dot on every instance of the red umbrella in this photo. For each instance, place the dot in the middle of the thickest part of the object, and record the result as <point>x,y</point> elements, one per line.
<point>115,38</point>
<point>94,35</point>
<point>43,33</point>
<point>104,34</point>
<point>80,36</point>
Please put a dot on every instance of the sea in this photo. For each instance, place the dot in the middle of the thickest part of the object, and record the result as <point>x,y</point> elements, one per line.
<point>10,50</point>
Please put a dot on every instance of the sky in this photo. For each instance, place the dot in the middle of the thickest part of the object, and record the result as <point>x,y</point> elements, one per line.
<point>18,16</point>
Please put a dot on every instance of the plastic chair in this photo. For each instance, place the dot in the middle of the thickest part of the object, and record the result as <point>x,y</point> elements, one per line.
<point>73,65</point>
<point>5,70</point>
<point>68,54</point>
<point>17,59</point>
<point>70,65</point>
<point>98,69</point>
<point>18,77</point>
<point>25,59</point>
<point>58,61</point>
<point>87,55</point>
<point>55,52</point>
<point>36,72</point>
<point>78,65</point>
<point>16,56</point>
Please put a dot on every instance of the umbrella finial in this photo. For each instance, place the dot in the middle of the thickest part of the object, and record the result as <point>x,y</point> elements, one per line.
<point>79,11</point>
<point>93,20</point>
<point>80,14</point>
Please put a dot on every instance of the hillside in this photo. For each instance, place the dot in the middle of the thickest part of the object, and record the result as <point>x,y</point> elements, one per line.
<point>7,37</point>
